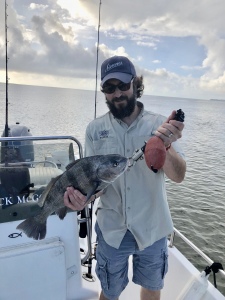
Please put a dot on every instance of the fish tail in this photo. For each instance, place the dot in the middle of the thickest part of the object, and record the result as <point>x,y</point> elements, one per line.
<point>33,228</point>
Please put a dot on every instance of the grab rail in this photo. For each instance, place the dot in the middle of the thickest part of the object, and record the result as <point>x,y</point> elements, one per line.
<point>25,163</point>
<point>87,219</point>
<point>44,138</point>
<point>195,248</point>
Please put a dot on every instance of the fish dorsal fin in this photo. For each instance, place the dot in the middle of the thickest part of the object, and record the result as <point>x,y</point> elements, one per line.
<point>71,153</point>
<point>70,165</point>
<point>44,195</point>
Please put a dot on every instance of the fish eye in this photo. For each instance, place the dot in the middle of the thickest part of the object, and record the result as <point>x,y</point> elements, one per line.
<point>115,164</point>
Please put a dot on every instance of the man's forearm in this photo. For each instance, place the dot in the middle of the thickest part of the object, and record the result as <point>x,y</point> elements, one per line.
<point>175,166</point>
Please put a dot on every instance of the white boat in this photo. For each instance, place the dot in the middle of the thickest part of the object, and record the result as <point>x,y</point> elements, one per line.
<point>59,266</point>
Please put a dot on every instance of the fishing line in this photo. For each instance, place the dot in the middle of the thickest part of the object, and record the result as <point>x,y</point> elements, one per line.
<point>96,75</point>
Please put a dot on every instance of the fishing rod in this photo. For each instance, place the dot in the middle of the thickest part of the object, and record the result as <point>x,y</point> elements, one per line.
<point>6,68</point>
<point>96,74</point>
<point>87,213</point>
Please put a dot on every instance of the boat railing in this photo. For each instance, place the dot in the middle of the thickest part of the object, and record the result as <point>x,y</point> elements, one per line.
<point>193,246</point>
<point>44,138</point>
<point>44,162</point>
<point>87,217</point>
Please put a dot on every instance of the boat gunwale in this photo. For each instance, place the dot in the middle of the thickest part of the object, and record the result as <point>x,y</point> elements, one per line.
<point>193,246</point>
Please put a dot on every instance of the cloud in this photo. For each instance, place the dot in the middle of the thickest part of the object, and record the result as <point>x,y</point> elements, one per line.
<point>192,67</point>
<point>50,46</point>
<point>145,44</point>
<point>37,6</point>
<point>156,61</point>
<point>170,84</point>
<point>58,39</point>
<point>214,61</point>
<point>217,84</point>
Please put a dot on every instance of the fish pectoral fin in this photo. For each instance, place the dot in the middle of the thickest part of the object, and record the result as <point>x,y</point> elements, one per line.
<point>92,191</point>
<point>44,194</point>
<point>62,212</point>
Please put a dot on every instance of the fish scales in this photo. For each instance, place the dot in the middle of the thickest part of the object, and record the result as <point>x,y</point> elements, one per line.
<point>80,179</point>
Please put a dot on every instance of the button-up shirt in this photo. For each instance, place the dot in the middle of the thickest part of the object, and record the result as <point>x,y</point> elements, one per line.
<point>137,200</point>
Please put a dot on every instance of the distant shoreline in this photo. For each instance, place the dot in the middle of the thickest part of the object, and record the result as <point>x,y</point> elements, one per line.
<point>217,99</point>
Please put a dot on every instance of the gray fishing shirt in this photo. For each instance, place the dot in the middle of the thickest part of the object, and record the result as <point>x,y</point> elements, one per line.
<point>136,200</point>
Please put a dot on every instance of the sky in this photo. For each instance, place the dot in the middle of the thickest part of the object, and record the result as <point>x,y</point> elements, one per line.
<point>178,46</point>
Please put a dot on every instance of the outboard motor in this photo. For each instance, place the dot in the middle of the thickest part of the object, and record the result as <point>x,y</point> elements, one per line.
<point>17,151</point>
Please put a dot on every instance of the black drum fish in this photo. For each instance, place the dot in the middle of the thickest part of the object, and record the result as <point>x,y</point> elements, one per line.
<point>89,175</point>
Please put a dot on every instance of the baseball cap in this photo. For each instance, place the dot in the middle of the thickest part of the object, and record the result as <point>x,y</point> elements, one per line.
<point>118,67</point>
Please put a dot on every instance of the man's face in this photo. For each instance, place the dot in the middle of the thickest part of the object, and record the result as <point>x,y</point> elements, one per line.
<point>120,103</point>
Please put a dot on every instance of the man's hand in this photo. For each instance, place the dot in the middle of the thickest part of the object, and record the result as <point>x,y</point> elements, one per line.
<point>170,130</point>
<point>74,199</point>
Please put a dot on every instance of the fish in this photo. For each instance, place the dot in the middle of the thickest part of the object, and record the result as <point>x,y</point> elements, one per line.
<point>15,235</point>
<point>88,175</point>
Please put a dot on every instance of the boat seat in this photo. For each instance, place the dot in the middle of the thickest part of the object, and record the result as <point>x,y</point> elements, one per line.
<point>40,176</point>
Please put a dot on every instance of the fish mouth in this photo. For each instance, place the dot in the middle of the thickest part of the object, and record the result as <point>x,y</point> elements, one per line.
<point>127,164</point>
<point>130,162</point>
<point>125,167</point>
<point>123,170</point>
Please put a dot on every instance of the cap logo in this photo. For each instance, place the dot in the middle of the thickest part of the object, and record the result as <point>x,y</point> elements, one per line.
<point>110,67</point>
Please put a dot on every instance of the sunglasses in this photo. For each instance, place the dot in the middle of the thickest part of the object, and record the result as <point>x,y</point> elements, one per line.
<point>110,88</point>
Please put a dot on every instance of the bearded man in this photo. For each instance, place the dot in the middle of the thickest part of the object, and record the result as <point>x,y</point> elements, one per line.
<point>133,216</point>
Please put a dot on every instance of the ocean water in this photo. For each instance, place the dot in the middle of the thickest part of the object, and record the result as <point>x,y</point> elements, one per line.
<point>198,204</point>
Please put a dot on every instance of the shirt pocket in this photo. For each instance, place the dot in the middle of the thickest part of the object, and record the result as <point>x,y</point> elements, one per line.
<point>106,146</point>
